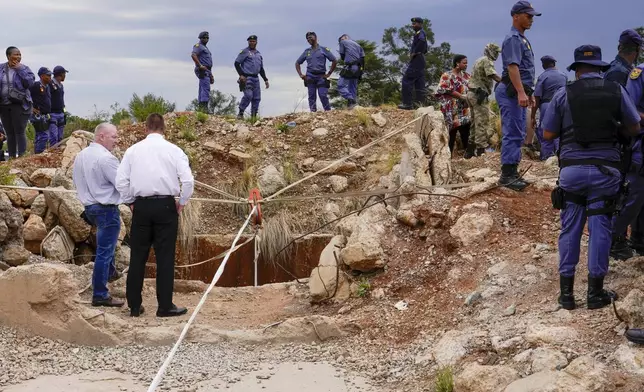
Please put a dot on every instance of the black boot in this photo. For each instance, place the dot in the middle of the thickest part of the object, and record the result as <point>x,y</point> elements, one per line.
<point>405,107</point>
<point>240,116</point>
<point>620,249</point>
<point>510,178</point>
<point>480,151</point>
<point>470,152</point>
<point>567,296</point>
<point>351,103</point>
<point>637,244</point>
<point>597,296</point>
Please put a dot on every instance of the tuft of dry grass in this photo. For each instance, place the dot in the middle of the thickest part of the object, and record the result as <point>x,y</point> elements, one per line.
<point>363,118</point>
<point>241,187</point>
<point>277,231</point>
<point>188,224</point>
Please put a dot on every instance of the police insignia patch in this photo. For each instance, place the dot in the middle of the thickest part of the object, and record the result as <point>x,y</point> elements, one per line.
<point>636,73</point>
<point>196,45</point>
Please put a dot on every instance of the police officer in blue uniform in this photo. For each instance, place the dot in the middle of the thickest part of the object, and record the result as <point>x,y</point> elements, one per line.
<point>548,83</point>
<point>58,112</point>
<point>514,93</point>
<point>203,69</point>
<point>41,110</point>
<point>586,116</point>
<point>249,64</point>
<point>630,44</point>
<point>414,78</point>
<point>353,56</point>
<point>316,78</point>
<point>629,48</point>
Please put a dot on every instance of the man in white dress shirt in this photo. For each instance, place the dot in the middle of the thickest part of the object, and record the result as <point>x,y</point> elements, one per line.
<point>152,173</point>
<point>95,179</point>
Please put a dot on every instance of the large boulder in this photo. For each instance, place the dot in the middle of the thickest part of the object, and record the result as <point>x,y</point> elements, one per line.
<point>477,378</point>
<point>76,142</point>
<point>13,221</point>
<point>15,255</point>
<point>631,308</point>
<point>417,161</point>
<point>471,227</point>
<point>271,180</point>
<point>42,177</point>
<point>435,136</point>
<point>68,209</point>
<point>39,206</point>
<point>34,232</point>
<point>364,251</point>
<point>126,216</point>
<point>324,278</point>
<point>42,299</point>
<point>58,245</point>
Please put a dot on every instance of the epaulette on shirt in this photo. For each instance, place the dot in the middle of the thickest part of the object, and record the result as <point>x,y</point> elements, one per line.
<point>196,45</point>
<point>635,73</point>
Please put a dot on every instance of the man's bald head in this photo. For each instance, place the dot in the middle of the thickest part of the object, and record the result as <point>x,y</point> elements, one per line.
<point>106,135</point>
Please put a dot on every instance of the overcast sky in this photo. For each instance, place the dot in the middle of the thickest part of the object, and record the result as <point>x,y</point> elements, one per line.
<point>118,47</point>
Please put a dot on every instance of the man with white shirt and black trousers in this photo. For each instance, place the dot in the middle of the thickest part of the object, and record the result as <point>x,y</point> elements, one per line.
<point>95,178</point>
<point>152,172</point>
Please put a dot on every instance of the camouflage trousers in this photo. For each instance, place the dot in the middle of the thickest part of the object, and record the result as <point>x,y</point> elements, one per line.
<point>482,130</point>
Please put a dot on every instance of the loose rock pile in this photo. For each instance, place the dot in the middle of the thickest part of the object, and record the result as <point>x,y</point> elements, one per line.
<point>48,223</point>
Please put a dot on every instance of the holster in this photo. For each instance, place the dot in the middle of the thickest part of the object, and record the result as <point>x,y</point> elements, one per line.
<point>242,85</point>
<point>201,73</point>
<point>511,92</point>
<point>481,96</point>
<point>327,83</point>
<point>557,198</point>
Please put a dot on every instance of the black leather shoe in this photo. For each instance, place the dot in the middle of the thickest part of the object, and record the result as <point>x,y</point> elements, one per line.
<point>637,244</point>
<point>470,152</point>
<point>597,296</point>
<point>136,312</point>
<point>108,302</point>
<point>174,311</point>
<point>635,335</point>
<point>567,297</point>
<point>405,107</point>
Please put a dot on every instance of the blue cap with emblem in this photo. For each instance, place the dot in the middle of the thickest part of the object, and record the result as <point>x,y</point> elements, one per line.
<point>203,34</point>
<point>44,71</point>
<point>631,37</point>
<point>523,7</point>
<point>417,19</point>
<point>252,38</point>
<point>59,69</point>
<point>311,33</point>
<point>548,59</point>
<point>590,55</point>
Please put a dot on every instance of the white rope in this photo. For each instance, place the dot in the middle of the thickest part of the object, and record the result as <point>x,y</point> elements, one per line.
<point>220,271</point>
<point>358,151</point>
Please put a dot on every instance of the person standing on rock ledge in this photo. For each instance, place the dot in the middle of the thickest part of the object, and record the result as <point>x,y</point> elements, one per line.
<point>249,65</point>
<point>586,117</point>
<point>94,177</point>
<point>152,173</point>
<point>316,78</point>
<point>414,78</point>
<point>514,93</point>
<point>203,69</point>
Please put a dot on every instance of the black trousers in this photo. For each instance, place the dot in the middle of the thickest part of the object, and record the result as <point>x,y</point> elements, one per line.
<point>464,131</point>
<point>155,222</point>
<point>14,119</point>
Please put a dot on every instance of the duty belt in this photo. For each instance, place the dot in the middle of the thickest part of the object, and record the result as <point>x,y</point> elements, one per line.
<point>250,75</point>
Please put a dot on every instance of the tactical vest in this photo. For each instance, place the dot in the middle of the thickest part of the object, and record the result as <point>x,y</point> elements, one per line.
<point>595,106</point>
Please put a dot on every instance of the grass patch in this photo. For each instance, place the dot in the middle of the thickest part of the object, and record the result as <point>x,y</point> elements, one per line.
<point>202,117</point>
<point>6,178</point>
<point>444,381</point>
<point>277,232</point>
<point>363,118</point>
<point>188,135</point>
<point>392,160</point>
<point>364,287</point>
<point>241,187</point>
<point>282,127</point>
<point>290,172</point>
<point>188,224</point>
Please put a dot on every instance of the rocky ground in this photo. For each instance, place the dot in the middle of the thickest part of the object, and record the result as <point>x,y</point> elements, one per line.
<point>462,281</point>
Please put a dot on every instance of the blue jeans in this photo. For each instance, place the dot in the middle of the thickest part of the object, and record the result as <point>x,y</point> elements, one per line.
<point>586,181</point>
<point>107,220</point>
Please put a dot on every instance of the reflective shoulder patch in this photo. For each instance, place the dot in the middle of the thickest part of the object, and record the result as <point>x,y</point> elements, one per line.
<point>636,73</point>
<point>196,45</point>
<point>327,49</point>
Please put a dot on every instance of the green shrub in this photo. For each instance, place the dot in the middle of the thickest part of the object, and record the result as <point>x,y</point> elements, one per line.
<point>202,117</point>
<point>141,108</point>
<point>444,380</point>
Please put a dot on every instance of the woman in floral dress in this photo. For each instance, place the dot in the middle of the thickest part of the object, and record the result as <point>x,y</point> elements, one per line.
<point>452,93</point>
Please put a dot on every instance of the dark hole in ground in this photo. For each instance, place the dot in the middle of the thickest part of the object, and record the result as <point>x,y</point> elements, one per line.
<point>302,259</point>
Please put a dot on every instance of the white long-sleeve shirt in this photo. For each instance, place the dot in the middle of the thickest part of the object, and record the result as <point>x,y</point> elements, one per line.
<point>94,176</point>
<point>154,167</point>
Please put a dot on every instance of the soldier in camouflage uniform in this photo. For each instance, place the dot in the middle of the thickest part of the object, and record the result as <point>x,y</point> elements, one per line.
<point>480,87</point>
